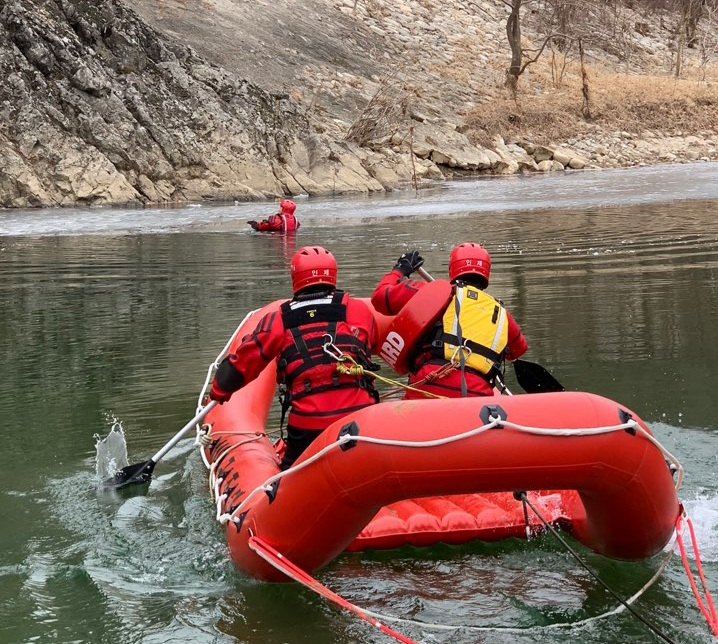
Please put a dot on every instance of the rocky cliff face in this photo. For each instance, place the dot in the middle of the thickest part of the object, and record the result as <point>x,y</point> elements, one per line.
<point>153,101</point>
<point>98,108</point>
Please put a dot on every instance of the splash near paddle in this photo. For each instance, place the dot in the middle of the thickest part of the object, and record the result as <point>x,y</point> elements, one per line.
<point>111,452</point>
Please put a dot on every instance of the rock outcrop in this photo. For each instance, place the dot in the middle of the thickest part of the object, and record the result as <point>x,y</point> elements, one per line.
<point>98,108</point>
<point>148,102</point>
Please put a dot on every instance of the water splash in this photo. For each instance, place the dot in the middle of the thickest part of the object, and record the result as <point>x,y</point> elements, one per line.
<point>111,452</point>
<point>703,512</point>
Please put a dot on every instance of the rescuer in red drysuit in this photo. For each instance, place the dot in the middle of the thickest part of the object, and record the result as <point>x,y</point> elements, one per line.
<point>473,320</point>
<point>318,317</point>
<point>282,222</point>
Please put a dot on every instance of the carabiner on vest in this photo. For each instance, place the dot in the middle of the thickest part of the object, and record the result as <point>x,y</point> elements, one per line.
<point>332,349</point>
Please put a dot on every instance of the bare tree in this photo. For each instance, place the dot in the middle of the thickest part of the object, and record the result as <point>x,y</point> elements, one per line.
<point>612,25</point>
<point>513,33</point>
<point>585,88</point>
<point>708,39</point>
<point>691,13</point>
<point>386,113</point>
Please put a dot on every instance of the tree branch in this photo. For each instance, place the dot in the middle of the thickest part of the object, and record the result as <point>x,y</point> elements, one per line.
<point>540,51</point>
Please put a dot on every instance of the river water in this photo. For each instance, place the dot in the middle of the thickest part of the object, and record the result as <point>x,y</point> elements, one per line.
<point>111,317</point>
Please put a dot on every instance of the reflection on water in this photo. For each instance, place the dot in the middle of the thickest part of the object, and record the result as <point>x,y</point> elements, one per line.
<point>119,327</point>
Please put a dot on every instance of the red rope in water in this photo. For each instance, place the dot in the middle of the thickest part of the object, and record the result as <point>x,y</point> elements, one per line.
<point>707,607</point>
<point>280,562</point>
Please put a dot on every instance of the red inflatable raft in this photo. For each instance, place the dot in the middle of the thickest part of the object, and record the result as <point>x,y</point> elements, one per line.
<point>422,471</point>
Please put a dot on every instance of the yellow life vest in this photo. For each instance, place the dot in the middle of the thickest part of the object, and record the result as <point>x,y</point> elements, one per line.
<point>476,325</point>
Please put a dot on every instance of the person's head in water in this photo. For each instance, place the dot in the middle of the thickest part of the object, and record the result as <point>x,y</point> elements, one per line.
<point>287,207</point>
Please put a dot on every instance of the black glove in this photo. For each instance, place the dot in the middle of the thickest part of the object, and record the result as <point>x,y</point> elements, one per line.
<point>253,224</point>
<point>409,262</point>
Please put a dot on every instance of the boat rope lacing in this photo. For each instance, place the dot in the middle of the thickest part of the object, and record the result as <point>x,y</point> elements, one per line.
<point>494,422</point>
<point>214,480</point>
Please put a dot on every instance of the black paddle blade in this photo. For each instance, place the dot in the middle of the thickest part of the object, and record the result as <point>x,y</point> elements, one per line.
<point>533,378</point>
<point>131,475</point>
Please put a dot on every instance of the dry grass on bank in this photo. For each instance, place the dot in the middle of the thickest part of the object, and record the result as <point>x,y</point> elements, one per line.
<point>616,103</point>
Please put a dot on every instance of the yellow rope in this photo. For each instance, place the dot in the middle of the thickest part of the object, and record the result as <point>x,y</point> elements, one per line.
<point>357,370</point>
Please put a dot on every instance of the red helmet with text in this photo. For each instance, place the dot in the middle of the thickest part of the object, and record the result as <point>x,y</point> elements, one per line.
<point>287,206</point>
<point>313,265</point>
<point>469,258</point>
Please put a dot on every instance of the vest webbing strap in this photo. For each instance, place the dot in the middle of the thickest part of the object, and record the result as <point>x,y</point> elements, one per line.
<point>475,347</point>
<point>322,318</point>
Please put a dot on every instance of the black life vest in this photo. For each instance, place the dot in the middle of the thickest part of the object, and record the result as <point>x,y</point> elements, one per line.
<point>304,367</point>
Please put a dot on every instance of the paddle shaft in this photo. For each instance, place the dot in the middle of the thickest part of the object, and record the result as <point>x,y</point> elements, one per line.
<point>180,434</point>
<point>424,275</point>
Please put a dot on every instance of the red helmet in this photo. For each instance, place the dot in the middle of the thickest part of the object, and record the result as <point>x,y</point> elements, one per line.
<point>313,265</point>
<point>469,258</point>
<point>287,206</point>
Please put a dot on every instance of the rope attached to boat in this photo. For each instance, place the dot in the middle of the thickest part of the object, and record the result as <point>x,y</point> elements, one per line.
<point>281,563</point>
<point>494,422</point>
<point>524,499</point>
<point>706,607</point>
<point>530,629</point>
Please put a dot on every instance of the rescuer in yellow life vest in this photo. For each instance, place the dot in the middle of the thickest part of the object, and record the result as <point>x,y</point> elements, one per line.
<point>462,355</point>
<point>479,323</point>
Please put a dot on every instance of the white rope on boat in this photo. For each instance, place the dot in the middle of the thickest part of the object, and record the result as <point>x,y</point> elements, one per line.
<point>201,432</point>
<point>214,482</point>
<point>267,486</point>
<point>495,421</point>
<point>629,424</point>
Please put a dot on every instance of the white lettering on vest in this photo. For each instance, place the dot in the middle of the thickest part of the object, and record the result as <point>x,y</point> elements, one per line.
<point>392,347</point>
